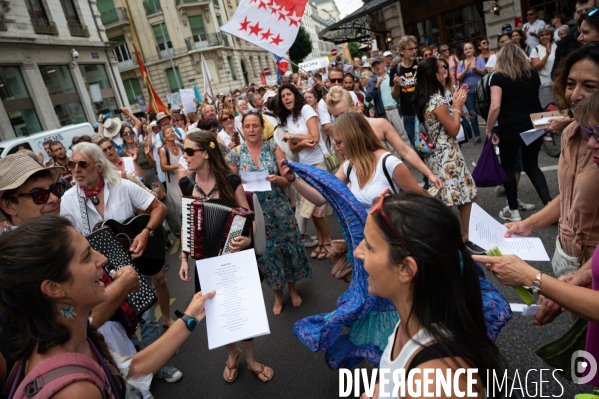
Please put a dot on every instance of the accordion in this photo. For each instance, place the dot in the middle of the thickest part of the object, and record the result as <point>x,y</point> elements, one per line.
<point>209,225</point>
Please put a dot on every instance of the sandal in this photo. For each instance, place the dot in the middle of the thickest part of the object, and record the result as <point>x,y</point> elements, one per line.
<point>316,252</point>
<point>260,372</point>
<point>231,368</point>
<point>324,253</point>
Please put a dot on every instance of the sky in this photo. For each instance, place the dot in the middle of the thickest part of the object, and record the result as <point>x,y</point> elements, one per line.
<point>346,7</point>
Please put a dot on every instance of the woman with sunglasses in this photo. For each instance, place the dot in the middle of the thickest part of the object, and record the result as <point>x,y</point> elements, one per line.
<point>285,260</point>
<point>589,26</point>
<point>124,165</point>
<point>228,134</point>
<point>575,208</point>
<point>305,139</point>
<point>571,292</point>
<point>442,125</point>
<point>451,60</point>
<point>229,105</point>
<point>414,255</point>
<point>483,49</point>
<point>211,178</point>
<point>180,121</point>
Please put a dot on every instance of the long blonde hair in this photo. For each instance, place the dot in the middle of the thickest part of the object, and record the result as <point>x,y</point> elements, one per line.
<point>360,144</point>
<point>512,62</point>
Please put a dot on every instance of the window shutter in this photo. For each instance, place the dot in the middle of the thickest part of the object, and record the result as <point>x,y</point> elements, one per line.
<point>172,81</point>
<point>197,25</point>
<point>158,33</point>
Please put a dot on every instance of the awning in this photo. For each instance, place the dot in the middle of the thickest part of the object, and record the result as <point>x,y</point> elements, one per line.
<point>355,27</point>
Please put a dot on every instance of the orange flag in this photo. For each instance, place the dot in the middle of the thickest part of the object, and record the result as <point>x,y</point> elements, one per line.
<point>155,104</point>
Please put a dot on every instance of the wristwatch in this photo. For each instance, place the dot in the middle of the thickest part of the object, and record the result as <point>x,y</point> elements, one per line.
<point>191,323</point>
<point>150,230</point>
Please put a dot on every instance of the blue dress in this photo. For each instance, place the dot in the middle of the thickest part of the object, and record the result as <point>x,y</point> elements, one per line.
<point>285,260</point>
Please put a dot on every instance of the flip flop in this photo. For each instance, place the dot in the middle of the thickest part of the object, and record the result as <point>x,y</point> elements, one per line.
<point>324,253</point>
<point>316,252</point>
<point>257,373</point>
<point>231,368</point>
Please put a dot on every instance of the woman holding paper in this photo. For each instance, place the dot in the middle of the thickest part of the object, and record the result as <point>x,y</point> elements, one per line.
<point>211,178</point>
<point>514,96</point>
<point>285,260</point>
<point>575,209</point>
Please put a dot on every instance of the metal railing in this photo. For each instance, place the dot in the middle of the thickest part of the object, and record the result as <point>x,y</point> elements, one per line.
<point>42,26</point>
<point>206,40</point>
<point>152,7</point>
<point>166,53</point>
<point>127,63</point>
<point>114,16</point>
<point>179,2</point>
<point>78,29</point>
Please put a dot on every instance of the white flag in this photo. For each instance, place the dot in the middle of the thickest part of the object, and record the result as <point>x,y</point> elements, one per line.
<point>208,82</point>
<point>269,24</point>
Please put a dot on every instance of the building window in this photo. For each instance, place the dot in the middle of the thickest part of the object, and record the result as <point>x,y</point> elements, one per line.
<point>172,79</point>
<point>39,18</point>
<point>73,22</point>
<point>215,2</point>
<point>133,89</point>
<point>452,27</point>
<point>64,96</point>
<point>230,62</point>
<point>17,102</point>
<point>219,20</point>
<point>96,82</point>
<point>152,7</point>
<point>121,51</point>
<point>162,38</point>
<point>197,28</point>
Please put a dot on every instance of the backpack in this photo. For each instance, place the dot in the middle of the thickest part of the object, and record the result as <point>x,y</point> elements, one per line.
<point>57,372</point>
<point>482,96</point>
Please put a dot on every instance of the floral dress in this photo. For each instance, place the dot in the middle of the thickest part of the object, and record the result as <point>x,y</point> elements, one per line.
<point>285,260</point>
<point>447,161</point>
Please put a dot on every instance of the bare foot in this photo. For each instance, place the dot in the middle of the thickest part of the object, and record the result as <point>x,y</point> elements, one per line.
<point>296,300</point>
<point>278,308</point>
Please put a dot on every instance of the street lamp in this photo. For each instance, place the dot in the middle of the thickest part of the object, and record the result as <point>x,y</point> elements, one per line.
<point>495,8</point>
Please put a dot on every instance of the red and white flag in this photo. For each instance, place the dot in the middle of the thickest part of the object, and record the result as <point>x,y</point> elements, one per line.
<point>269,24</point>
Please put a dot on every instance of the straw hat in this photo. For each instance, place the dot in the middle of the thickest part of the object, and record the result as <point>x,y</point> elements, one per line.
<point>161,116</point>
<point>15,169</point>
<point>112,127</point>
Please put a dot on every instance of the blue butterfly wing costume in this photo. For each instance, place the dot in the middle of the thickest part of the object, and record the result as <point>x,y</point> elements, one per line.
<point>371,319</point>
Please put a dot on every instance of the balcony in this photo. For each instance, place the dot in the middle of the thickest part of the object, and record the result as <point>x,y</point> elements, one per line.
<point>42,26</point>
<point>126,64</point>
<point>205,40</point>
<point>77,29</point>
<point>152,7</point>
<point>166,53</point>
<point>116,16</point>
<point>191,2</point>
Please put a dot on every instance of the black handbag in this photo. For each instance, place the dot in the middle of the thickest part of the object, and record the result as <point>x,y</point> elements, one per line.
<point>131,310</point>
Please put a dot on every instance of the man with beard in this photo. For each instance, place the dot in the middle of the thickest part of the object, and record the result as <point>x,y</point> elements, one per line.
<point>61,159</point>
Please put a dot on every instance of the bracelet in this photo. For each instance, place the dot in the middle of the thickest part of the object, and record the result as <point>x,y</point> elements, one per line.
<point>536,285</point>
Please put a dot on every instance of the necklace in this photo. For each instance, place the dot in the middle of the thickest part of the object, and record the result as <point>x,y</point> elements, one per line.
<point>204,195</point>
<point>93,193</point>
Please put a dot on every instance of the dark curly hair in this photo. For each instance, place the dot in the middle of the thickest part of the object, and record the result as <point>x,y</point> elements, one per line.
<point>282,112</point>
<point>37,251</point>
<point>558,86</point>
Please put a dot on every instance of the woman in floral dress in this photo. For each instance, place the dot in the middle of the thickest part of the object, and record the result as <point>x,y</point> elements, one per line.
<point>442,123</point>
<point>285,260</point>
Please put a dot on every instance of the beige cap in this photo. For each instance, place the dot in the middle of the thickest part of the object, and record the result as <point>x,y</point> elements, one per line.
<point>15,169</point>
<point>161,115</point>
<point>112,127</point>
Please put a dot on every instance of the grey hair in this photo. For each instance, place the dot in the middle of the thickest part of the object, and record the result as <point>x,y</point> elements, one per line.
<point>563,28</point>
<point>94,153</point>
<point>252,99</point>
<point>547,28</point>
<point>367,75</point>
<point>240,103</point>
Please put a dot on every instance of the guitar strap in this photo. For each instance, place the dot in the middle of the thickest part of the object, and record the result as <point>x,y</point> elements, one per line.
<point>83,210</point>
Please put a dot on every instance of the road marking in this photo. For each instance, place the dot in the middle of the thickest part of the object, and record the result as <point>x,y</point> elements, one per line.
<point>175,247</point>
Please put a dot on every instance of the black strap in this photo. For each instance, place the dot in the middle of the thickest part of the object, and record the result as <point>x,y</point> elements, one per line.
<point>432,352</point>
<point>387,174</point>
<point>192,179</point>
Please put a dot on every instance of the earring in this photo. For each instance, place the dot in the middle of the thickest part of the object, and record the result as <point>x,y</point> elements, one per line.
<point>68,312</point>
<point>206,165</point>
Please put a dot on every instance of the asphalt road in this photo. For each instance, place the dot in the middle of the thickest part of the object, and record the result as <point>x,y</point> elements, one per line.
<point>300,373</point>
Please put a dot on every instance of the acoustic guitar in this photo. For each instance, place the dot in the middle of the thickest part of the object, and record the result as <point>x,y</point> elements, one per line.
<point>152,259</point>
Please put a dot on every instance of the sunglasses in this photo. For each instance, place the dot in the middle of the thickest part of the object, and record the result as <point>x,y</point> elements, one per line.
<point>593,11</point>
<point>336,80</point>
<point>109,148</point>
<point>445,66</point>
<point>587,133</point>
<point>40,197</point>
<point>190,152</point>
<point>377,206</point>
<point>127,133</point>
<point>81,164</point>
<point>252,112</point>
<point>227,118</point>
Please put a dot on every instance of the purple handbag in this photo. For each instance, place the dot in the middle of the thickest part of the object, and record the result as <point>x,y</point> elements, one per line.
<point>488,171</point>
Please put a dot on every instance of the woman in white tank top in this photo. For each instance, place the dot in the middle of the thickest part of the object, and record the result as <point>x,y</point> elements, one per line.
<point>414,255</point>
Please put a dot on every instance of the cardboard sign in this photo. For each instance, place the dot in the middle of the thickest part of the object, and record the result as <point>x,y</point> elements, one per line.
<point>271,80</point>
<point>314,64</point>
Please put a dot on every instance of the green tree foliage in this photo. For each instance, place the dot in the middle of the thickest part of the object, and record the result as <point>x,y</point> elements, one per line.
<point>301,47</point>
<point>354,50</point>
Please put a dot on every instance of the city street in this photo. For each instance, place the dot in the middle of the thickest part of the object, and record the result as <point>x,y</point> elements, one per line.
<point>299,373</point>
